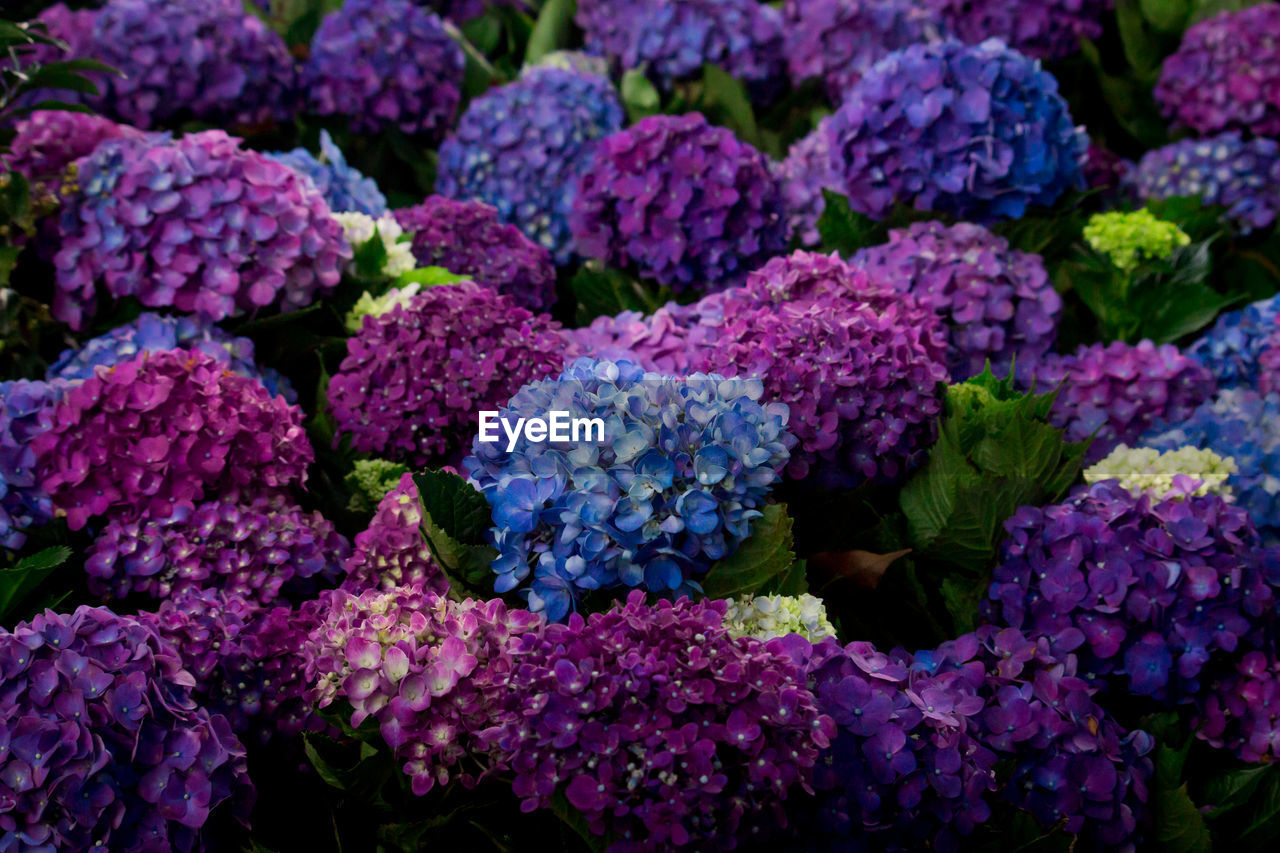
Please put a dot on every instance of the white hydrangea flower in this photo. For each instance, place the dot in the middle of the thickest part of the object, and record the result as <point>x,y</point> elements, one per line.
<point>769,616</point>
<point>368,304</point>
<point>1186,470</point>
<point>360,228</point>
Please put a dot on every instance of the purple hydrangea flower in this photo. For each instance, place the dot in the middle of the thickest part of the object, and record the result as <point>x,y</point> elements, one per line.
<point>1105,170</point>
<point>196,223</point>
<point>1151,594</point>
<point>1224,170</point>
<point>1233,348</point>
<point>343,187</point>
<point>1269,364</point>
<point>998,303</point>
<point>468,238</point>
<point>1042,29</point>
<point>1226,74</point>
<point>415,377</point>
<point>164,431</point>
<point>804,175</point>
<point>26,411</point>
<point>673,484</point>
<point>385,64</point>
<point>657,725</point>
<point>48,141</point>
<point>522,147</point>
<point>104,746</point>
<point>672,39</point>
<point>683,202</point>
<point>976,131</point>
<point>1241,711</point>
<point>391,552</point>
<point>668,341</point>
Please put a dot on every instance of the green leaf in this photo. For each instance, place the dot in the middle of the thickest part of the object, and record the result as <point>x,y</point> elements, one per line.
<point>1141,46</point>
<point>725,98</point>
<point>639,96</point>
<point>551,31</point>
<point>1179,825</point>
<point>8,259</point>
<point>790,582</point>
<point>1169,16</point>
<point>455,520</point>
<point>844,230</point>
<point>319,764</point>
<point>765,555</point>
<point>429,277</point>
<point>1263,828</point>
<point>962,596</point>
<point>370,257</point>
<point>18,581</point>
<point>607,291</point>
<point>575,820</point>
<point>1231,790</point>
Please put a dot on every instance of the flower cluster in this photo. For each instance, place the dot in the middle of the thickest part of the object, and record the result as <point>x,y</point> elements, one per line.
<point>391,552</point>
<point>1042,29</point>
<point>674,38</point>
<point>686,203</point>
<point>469,238</point>
<point>359,229</point>
<point>674,483</point>
<point>660,727</point>
<point>1130,238</point>
<point>977,131</point>
<point>433,672</point>
<point>1234,347</point>
<point>345,190</point>
<point>1115,393</point>
<point>1242,709</point>
<point>371,479</point>
<point>1269,364</point>
<point>47,142</point>
<point>571,60</point>
<point>251,550</point>
<point>767,616</point>
<point>836,41</point>
<point>104,746</point>
<point>1179,471</point>
<point>1223,170</point>
<point>1147,592</point>
<point>414,378</point>
<point>26,411</point>
<point>998,303</point>
<point>1226,74</point>
<point>385,64</point>
<point>1105,170</point>
<point>163,431</point>
<point>804,175</point>
<point>196,223</point>
<point>522,147</point>
<point>665,342</point>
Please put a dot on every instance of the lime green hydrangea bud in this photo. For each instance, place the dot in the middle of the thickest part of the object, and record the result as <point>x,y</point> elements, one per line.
<point>769,616</point>
<point>360,228</point>
<point>1186,470</point>
<point>1128,238</point>
<point>371,480</point>
<point>376,306</point>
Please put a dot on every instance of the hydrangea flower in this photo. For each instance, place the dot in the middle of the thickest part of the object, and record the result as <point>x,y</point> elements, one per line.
<point>668,341</point>
<point>391,552</point>
<point>415,377</point>
<point>469,238</point>
<point>358,229</point>
<point>1241,709</point>
<point>767,616</point>
<point>371,479</point>
<point>385,64</point>
<point>157,333</point>
<point>1233,348</point>
<point>1104,170</point>
<point>1115,393</point>
<point>433,672</point>
<point>571,60</point>
<point>1223,170</point>
<point>672,39</point>
<point>998,303</point>
<point>804,175</point>
<point>1226,74</point>
<point>976,131</point>
<point>522,147</point>
<point>1130,238</point>
<point>1147,593</point>
<point>660,727</point>
<point>1244,425</point>
<point>47,142</point>
<point>1179,471</point>
<point>195,223</point>
<point>836,41</point>
<point>673,484</point>
<point>1269,364</point>
<point>345,190</point>
<point>104,746</point>
<point>164,431</point>
<point>252,550</point>
<point>26,411</point>
<point>1041,29</point>
<point>683,202</point>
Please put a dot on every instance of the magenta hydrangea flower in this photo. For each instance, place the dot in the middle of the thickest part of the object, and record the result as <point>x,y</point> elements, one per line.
<point>467,238</point>
<point>657,725</point>
<point>998,303</point>
<point>433,672</point>
<point>164,431</point>
<point>804,175</point>
<point>415,377</point>
<point>48,141</point>
<point>104,747</point>
<point>1043,29</point>
<point>1241,711</point>
<point>385,64</point>
<point>1226,74</point>
<point>1269,364</point>
<point>665,342</point>
<point>195,223</point>
<point>391,552</point>
<point>683,202</point>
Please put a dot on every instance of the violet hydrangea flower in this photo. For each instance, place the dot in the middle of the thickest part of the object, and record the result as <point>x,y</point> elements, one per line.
<point>1233,348</point>
<point>344,189</point>
<point>977,131</point>
<point>1241,711</point>
<point>685,203</point>
<point>804,175</point>
<point>47,142</point>
<point>1041,29</point>
<point>391,552</point>
<point>26,411</point>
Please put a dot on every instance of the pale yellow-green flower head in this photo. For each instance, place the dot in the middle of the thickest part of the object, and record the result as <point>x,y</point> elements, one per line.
<point>769,616</point>
<point>1144,469</point>
<point>1128,238</point>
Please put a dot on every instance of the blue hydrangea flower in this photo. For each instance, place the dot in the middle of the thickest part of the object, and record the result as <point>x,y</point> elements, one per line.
<point>26,410</point>
<point>684,467</point>
<point>1232,347</point>
<point>521,148</point>
<point>344,188</point>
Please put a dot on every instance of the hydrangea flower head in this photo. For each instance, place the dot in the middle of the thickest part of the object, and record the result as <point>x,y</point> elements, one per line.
<point>1129,238</point>
<point>1234,347</point>
<point>1242,708</point>
<point>47,142</point>
<point>977,131</point>
<point>470,239</point>
<point>1226,74</point>
<point>673,484</point>
<point>360,228</point>
<point>391,552</point>
<point>195,223</point>
<point>521,148</point>
<point>767,616</point>
<point>26,411</point>
<point>804,175</point>
<point>1041,29</point>
<point>685,203</point>
<point>1182,470</point>
<point>571,60</point>
<point>385,64</point>
<point>345,190</point>
<point>666,341</point>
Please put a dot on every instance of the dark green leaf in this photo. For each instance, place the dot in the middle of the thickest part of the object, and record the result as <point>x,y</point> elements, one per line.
<point>8,258</point>
<point>53,77</point>
<point>551,30</point>
<point>726,101</point>
<point>765,555</point>
<point>574,819</point>
<point>962,597</point>
<point>1141,46</point>
<point>319,764</point>
<point>639,96</point>
<point>1263,828</point>
<point>606,292</point>
<point>18,581</point>
<point>1179,825</point>
<point>1231,790</point>
<point>845,231</point>
<point>1168,16</point>
<point>790,582</point>
<point>455,520</point>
